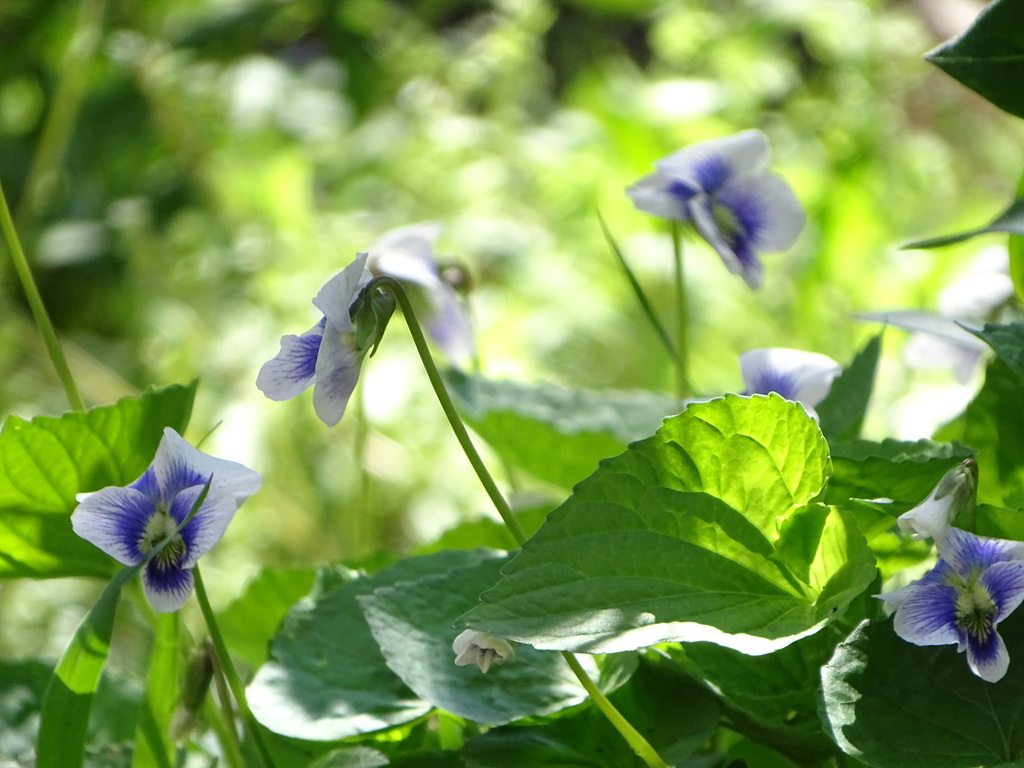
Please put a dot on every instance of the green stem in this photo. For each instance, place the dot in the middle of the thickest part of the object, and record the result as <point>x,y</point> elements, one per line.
<point>35,303</point>
<point>223,720</point>
<point>644,750</point>
<point>682,316</point>
<point>230,673</point>
<point>639,744</point>
<point>393,287</point>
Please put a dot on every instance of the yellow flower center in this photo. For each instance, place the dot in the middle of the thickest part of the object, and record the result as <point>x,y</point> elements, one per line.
<point>162,526</point>
<point>975,611</point>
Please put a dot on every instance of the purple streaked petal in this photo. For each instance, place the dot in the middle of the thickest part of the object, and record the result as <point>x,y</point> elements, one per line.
<point>804,377</point>
<point>770,216</point>
<point>707,227</point>
<point>336,297</point>
<point>294,368</point>
<point>661,196</point>
<point>449,325</point>
<point>167,586</point>
<point>743,153</point>
<point>1005,584</point>
<point>207,526</point>
<point>988,658</point>
<point>114,519</point>
<point>337,371</point>
<point>146,484</point>
<point>178,465</point>
<point>712,173</point>
<point>969,554</point>
<point>927,616</point>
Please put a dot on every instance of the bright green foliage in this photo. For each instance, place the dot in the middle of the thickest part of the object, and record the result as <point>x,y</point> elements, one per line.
<point>556,434</point>
<point>989,57</point>
<point>841,413</point>
<point>412,623</point>
<point>45,462</point>
<point>897,705</point>
<point>701,532</point>
<point>675,713</point>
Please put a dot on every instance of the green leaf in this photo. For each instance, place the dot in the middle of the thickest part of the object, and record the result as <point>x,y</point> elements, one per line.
<point>675,714</point>
<point>893,704</point>
<point>993,425</point>
<point>319,687</point>
<point>701,532</point>
<point>352,757</point>
<point>152,747</point>
<point>251,620</point>
<point>1007,341</point>
<point>556,434</point>
<point>45,462</point>
<point>989,57</point>
<point>412,623</point>
<point>1011,220</point>
<point>842,411</point>
<point>905,472</point>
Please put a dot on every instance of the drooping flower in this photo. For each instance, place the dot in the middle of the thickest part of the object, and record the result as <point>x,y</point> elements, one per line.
<point>127,522</point>
<point>976,584</point>
<point>932,517</point>
<point>803,377</point>
<point>327,355</point>
<point>482,649</point>
<point>722,187</point>
<point>407,254</point>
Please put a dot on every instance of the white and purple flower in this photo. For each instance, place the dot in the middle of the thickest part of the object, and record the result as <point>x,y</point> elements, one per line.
<point>127,522</point>
<point>482,649</point>
<point>326,355</point>
<point>407,254</point>
<point>803,377</point>
<point>976,584</point>
<point>932,517</point>
<point>722,187</point>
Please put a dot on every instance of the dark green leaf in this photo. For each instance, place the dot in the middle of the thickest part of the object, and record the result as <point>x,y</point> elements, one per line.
<point>842,411</point>
<point>893,704</point>
<point>1011,220</point>
<point>556,434</point>
<point>697,533</point>
<point>45,462</point>
<point>1007,341</point>
<point>989,57</point>
<point>412,622</point>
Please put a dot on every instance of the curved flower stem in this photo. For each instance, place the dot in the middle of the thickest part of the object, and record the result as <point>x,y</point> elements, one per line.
<point>393,287</point>
<point>35,303</point>
<point>230,673</point>
<point>682,316</point>
<point>643,749</point>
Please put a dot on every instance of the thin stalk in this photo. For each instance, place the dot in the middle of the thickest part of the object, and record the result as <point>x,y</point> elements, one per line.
<point>223,720</point>
<point>642,748</point>
<point>230,673</point>
<point>393,287</point>
<point>682,316</point>
<point>35,303</point>
<point>641,296</point>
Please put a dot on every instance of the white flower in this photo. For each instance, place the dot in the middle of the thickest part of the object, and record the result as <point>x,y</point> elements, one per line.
<point>407,254</point>
<point>482,649</point>
<point>128,522</point>
<point>803,377</point>
<point>326,354</point>
<point>932,517</point>
<point>723,188</point>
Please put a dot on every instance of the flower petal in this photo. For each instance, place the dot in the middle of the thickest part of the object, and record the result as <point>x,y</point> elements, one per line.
<point>707,227</point>
<point>968,553</point>
<point>178,465</point>
<point>653,194</point>
<point>336,297</point>
<point>930,519</point>
<point>927,615</point>
<point>114,519</point>
<point>168,587</point>
<point>770,216</point>
<point>407,253</point>
<point>337,371</point>
<point>449,325</point>
<point>804,377</point>
<point>988,658</point>
<point>745,152</point>
<point>1005,584</point>
<point>292,371</point>
<point>207,526</point>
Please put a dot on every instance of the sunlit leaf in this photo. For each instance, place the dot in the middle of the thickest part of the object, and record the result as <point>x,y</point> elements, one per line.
<point>701,532</point>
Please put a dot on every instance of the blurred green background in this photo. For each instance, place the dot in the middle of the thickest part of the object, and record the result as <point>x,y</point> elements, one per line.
<point>186,174</point>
